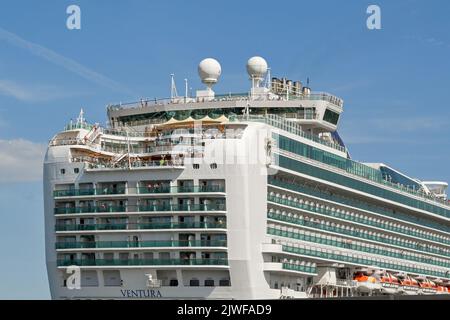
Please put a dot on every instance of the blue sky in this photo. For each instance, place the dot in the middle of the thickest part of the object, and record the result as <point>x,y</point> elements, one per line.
<point>394,81</point>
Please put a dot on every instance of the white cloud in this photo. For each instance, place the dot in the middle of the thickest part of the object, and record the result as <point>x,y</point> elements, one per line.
<point>21,160</point>
<point>60,60</point>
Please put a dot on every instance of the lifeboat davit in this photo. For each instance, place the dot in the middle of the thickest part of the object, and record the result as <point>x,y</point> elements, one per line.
<point>427,287</point>
<point>389,283</point>
<point>441,287</point>
<point>365,282</point>
<point>408,285</point>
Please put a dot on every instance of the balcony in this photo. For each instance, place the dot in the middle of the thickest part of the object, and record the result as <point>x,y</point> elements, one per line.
<point>85,227</point>
<point>90,209</point>
<point>88,192</point>
<point>300,268</point>
<point>354,246</point>
<point>355,233</point>
<point>74,192</point>
<point>184,189</point>
<point>361,261</point>
<point>287,267</point>
<point>182,207</point>
<point>140,244</point>
<point>183,225</point>
<point>94,166</point>
<point>359,205</point>
<point>141,190</point>
<point>150,225</point>
<point>143,262</point>
<point>347,178</point>
<point>76,126</point>
<point>359,219</point>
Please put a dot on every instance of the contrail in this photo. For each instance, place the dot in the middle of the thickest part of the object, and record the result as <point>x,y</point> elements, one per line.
<point>61,61</point>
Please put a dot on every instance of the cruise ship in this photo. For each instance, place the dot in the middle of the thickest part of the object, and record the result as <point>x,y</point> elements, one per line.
<point>235,196</point>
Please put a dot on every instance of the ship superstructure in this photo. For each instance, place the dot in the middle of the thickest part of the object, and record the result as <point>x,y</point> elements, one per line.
<point>235,196</point>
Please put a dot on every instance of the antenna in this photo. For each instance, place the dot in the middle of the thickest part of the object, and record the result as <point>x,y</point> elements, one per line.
<point>80,119</point>
<point>307,82</point>
<point>185,89</point>
<point>173,88</point>
<point>268,81</point>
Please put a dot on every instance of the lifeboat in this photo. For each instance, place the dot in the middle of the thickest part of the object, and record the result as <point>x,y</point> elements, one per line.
<point>408,285</point>
<point>427,286</point>
<point>441,287</point>
<point>446,284</point>
<point>389,283</point>
<point>365,281</point>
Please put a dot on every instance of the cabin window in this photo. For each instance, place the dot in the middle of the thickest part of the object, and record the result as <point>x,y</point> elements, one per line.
<point>209,283</point>
<point>224,282</point>
<point>194,282</point>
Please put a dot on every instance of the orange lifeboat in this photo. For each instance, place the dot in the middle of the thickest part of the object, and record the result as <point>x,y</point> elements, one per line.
<point>441,287</point>
<point>365,282</point>
<point>426,286</point>
<point>409,285</point>
<point>389,283</point>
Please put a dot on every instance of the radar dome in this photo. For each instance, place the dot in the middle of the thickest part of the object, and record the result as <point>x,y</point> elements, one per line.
<point>209,70</point>
<point>256,67</point>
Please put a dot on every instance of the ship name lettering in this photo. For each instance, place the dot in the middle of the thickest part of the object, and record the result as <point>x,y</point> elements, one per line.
<point>141,293</point>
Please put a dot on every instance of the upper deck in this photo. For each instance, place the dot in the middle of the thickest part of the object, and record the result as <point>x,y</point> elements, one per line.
<point>311,110</point>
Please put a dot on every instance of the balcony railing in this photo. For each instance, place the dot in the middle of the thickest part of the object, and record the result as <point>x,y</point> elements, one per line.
<point>320,96</point>
<point>361,205</point>
<point>359,219</point>
<point>142,262</point>
<point>352,246</point>
<point>74,126</point>
<point>181,189</point>
<point>88,192</point>
<point>87,227</point>
<point>141,190</point>
<point>357,234</point>
<point>290,126</point>
<point>184,225</point>
<point>140,244</point>
<point>183,207</point>
<point>133,164</point>
<point>142,208</point>
<point>365,261</point>
<point>90,209</point>
<point>134,226</point>
<point>298,267</point>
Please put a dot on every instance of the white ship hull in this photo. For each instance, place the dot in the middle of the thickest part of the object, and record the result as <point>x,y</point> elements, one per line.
<point>257,208</point>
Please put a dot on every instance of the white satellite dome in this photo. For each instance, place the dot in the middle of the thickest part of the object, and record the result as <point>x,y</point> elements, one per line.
<point>209,70</point>
<point>256,67</point>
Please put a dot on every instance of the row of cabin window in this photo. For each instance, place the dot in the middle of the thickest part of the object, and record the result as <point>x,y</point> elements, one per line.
<point>197,166</point>
<point>207,283</point>
<point>75,170</point>
<point>192,283</point>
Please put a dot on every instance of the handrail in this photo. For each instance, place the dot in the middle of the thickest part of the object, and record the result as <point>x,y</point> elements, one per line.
<point>139,244</point>
<point>144,103</point>
<point>357,204</point>
<point>142,225</point>
<point>140,262</point>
